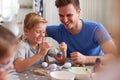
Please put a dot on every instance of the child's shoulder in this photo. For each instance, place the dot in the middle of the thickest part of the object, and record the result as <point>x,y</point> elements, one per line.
<point>23,44</point>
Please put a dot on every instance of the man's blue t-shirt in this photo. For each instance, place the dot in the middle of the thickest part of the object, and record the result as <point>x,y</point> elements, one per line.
<point>87,42</point>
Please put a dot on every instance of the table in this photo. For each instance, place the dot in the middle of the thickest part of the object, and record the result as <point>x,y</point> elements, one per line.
<point>29,75</point>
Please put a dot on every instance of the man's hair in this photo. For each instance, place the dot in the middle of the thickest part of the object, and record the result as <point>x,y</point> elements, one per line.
<point>31,19</point>
<point>7,39</point>
<point>62,3</point>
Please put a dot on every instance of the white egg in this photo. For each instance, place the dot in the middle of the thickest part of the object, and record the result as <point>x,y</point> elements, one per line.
<point>44,64</point>
<point>52,67</point>
<point>67,65</point>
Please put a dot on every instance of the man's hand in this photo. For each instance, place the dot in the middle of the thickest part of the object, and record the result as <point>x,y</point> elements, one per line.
<point>77,57</point>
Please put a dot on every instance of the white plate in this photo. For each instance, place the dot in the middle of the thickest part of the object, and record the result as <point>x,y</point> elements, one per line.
<point>62,75</point>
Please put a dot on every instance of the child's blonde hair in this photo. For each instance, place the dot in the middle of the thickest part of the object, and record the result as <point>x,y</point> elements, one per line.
<point>7,39</point>
<point>32,19</point>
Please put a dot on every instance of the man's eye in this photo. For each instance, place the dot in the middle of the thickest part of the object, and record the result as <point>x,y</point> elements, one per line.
<point>61,16</point>
<point>69,15</point>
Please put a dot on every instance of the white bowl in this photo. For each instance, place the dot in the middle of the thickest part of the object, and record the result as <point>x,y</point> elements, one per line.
<point>62,75</point>
<point>80,73</point>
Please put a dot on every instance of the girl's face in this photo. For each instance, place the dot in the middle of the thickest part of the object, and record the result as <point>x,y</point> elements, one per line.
<point>36,34</point>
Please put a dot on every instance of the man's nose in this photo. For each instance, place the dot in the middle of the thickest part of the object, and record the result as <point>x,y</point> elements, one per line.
<point>65,19</point>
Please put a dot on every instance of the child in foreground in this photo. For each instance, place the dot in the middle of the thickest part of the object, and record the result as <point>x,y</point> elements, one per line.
<point>8,48</point>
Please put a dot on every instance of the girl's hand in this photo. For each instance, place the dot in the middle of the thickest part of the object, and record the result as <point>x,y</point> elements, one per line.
<point>2,73</point>
<point>45,47</point>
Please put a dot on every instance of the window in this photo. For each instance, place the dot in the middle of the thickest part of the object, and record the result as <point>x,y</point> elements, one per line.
<point>8,8</point>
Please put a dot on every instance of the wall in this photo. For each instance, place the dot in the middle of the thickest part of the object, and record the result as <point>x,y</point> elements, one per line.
<point>95,10</point>
<point>20,18</point>
<point>50,12</point>
<point>26,3</point>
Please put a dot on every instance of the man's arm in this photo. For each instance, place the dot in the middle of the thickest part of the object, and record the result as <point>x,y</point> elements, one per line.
<point>110,52</point>
<point>107,47</point>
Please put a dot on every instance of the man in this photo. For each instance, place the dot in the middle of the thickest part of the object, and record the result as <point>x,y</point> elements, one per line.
<point>86,40</point>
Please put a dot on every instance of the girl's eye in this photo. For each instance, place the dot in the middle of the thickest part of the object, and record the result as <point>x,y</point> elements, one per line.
<point>38,31</point>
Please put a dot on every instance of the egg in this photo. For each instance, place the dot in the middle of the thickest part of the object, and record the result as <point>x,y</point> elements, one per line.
<point>67,65</point>
<point>60,55</point>
<point>44,64</point>
<point>52,67</point>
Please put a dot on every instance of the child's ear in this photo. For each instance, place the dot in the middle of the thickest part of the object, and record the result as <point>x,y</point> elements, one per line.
<point>26,31</point>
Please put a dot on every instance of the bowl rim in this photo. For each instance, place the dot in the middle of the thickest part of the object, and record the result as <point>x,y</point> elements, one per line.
<point>85,73</point>
<point>65,78</point>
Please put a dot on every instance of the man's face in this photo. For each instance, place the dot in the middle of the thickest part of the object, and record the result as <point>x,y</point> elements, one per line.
<point>69,16</point>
